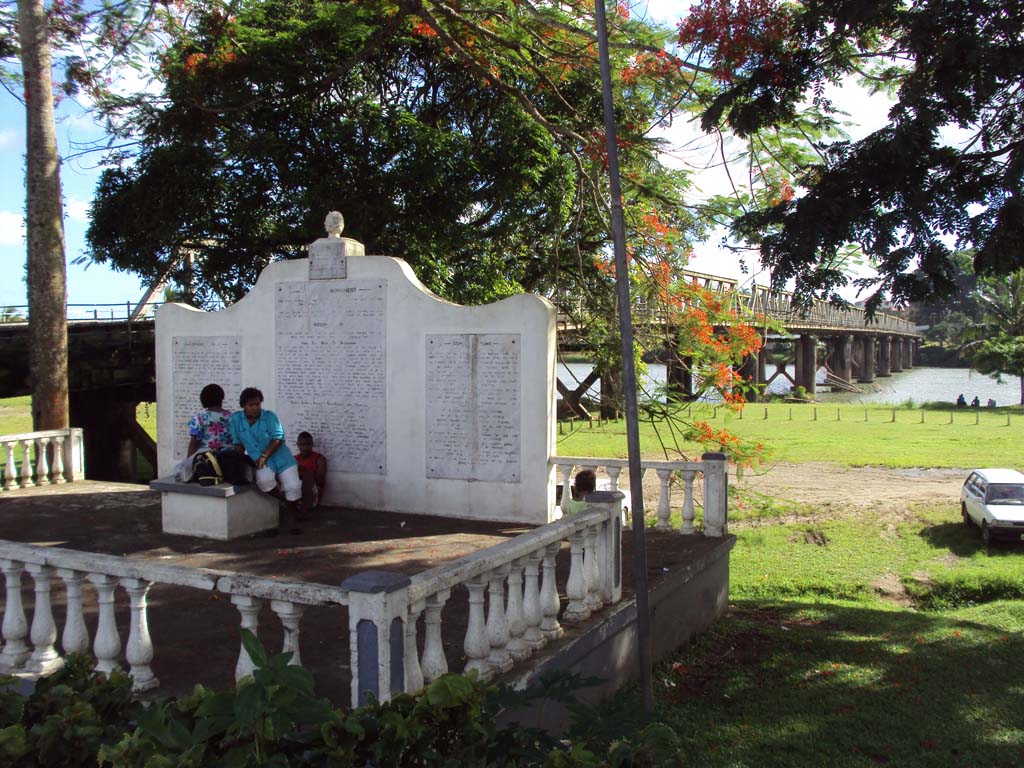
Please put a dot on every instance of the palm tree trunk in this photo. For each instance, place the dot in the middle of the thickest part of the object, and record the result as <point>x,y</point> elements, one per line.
<point>47,281</point>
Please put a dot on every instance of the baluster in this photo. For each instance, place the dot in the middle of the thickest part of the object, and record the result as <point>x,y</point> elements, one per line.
<point>664,500</point>
<point>249,608</point>
<point>75,638</point>
<point>434,663</point>
<point>58,460</point>
<point>42,467</point>
<point>576,587</point>
<point>43,633</point>
<point>413,671</point>
<point>26,464</point>
<point>549,604</point>
<point>10,476</point>
<point>688,514</point>
<point>476,644</point>
<point>591,569</point>
<point>613,476</point>
<point>532,612</point>
<point>107,644</point>
<point>514,613</point>
<point>290,615</point>
<point>139,650</point>
<point>497,624</point>
<point>15,627</point>
<point>566,484</point>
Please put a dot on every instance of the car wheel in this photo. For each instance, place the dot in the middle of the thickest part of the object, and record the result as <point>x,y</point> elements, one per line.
<point>986,534</point>
<point>967,518</point>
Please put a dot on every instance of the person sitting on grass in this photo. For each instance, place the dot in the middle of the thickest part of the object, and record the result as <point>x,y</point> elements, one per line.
<point>258,434</point>
<point>209,429</point>
<point>584,484</point>
<point>312,472</point>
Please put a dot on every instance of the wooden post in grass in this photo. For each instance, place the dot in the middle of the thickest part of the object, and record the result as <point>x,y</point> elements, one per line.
<point>838,415</point>
<point>815,414</point>
<point>950,417</point>
<point>893,416</point>
<point>766,416</point>
<point>922,416</point>
<point>865,415</point>
<point>977,415</point>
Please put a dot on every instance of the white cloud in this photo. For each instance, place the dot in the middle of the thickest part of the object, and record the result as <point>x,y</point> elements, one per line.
<point>76,209</point>
<point>12,228</point>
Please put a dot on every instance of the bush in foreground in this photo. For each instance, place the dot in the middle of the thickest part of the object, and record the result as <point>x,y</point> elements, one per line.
<point>78,718</point>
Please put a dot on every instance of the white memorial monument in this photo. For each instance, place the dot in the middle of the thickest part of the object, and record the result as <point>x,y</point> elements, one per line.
<point>419,405</point>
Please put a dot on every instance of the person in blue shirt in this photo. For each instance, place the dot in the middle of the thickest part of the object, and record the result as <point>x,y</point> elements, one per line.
<point>258,433</point>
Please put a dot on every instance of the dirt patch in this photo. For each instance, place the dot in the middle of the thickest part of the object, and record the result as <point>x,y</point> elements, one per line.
<point>836,492</point>
<point>890,587</point>
<point>810,536</point>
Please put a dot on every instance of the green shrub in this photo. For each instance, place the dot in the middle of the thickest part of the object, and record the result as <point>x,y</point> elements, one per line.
<point>273,719</point>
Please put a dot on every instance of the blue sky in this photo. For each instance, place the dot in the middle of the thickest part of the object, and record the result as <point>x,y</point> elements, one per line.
<point>95,284</point>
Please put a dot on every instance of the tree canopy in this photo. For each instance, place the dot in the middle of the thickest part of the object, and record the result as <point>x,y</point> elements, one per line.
<point>466,138</point>
<point>904,192</point>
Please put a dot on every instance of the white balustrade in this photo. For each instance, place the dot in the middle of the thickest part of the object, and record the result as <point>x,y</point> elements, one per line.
<point>532,612</point>
<point>667,471</point>
<point>413,670</point>
<point>59,458</point>
<point>576,588</point>
<point>515,615</point>
<point>477,645</point>
<point>549,603</point>
<point>499,659</point>
<point>107,572</point>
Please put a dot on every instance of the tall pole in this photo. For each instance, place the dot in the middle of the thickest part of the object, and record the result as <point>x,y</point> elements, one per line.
<point>44,230</point>
<point>636,491</point>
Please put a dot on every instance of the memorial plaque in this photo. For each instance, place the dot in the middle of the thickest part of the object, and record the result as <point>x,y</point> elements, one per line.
<point>473,407</point>
<point>330,362</point>
<point>328,259</point>
<point>196,362</point>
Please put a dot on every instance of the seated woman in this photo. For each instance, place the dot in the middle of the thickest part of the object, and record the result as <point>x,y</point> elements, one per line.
<point>208,430</point>
<point>258,433</point>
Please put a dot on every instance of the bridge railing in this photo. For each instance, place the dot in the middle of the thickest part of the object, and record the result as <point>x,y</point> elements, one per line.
<point>49,457</point>
<point>782,306</point>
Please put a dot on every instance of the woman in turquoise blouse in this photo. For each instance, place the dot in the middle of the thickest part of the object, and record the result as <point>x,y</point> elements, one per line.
<point>258,433</point>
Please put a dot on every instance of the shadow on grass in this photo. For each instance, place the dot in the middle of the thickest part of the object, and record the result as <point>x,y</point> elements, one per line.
<point>965,541</point>
<point>803,684</point>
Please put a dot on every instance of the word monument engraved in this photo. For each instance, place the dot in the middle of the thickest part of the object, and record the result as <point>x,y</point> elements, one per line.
<point>419,405</point>
<point>333,333</point>
<point>196,362</point>
<point>472,407</point>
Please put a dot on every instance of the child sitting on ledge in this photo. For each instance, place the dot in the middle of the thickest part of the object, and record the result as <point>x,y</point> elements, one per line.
<point>584,484</point>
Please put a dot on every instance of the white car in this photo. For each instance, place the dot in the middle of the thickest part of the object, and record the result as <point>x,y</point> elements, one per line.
<point>993,499</point>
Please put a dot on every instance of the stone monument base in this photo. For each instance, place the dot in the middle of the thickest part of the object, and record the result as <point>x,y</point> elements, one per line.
<point>219,512</point>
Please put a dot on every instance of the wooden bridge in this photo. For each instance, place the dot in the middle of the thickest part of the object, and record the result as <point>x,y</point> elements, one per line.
<point>111,365</point>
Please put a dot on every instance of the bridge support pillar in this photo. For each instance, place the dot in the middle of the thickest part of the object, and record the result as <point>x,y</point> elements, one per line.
<point>908,354</point>
<point>867,359</point>
<point>749,371</point>
<point>611,393</point>
<point>843,360</point>
<point>678,376</point>
<point>884,356</point>
<point>110,433</point>
<point>896,355</point>
<point>807,362</point>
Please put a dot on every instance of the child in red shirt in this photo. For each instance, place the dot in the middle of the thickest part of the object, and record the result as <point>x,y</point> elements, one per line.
<point>312,472</point>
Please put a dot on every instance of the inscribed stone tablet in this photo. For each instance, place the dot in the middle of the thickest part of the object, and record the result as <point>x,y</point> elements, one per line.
<point>196,362</point>
<point>330,362</point>
<point>473,407</point>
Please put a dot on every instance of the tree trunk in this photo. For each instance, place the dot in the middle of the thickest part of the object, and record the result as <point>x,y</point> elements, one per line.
<point>47,282</point>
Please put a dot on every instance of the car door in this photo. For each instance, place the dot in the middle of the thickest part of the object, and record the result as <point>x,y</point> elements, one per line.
<point>972,500</point>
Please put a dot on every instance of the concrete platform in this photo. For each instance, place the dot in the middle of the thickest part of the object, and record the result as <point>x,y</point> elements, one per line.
<point>195,633</point>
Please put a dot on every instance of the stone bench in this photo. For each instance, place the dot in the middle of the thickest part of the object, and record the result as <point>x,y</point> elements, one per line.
<point>222,511</point>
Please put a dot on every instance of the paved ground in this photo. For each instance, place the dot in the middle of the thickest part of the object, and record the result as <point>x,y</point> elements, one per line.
<point>195,632</point>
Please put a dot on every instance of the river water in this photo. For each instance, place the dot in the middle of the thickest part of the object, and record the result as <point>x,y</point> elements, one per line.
<point>918,384</point>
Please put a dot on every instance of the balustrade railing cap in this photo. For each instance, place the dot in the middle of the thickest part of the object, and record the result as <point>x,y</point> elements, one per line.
<point>604,497</point>
<point>713,456</point>
<point>375,582</point>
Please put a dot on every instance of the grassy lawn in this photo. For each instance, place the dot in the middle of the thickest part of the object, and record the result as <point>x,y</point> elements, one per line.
<point>813,667</point>
<point>798,433</point>
<point>15,415</point>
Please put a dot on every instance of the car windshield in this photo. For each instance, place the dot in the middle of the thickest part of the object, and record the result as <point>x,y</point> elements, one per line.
<point>1005,494</point>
